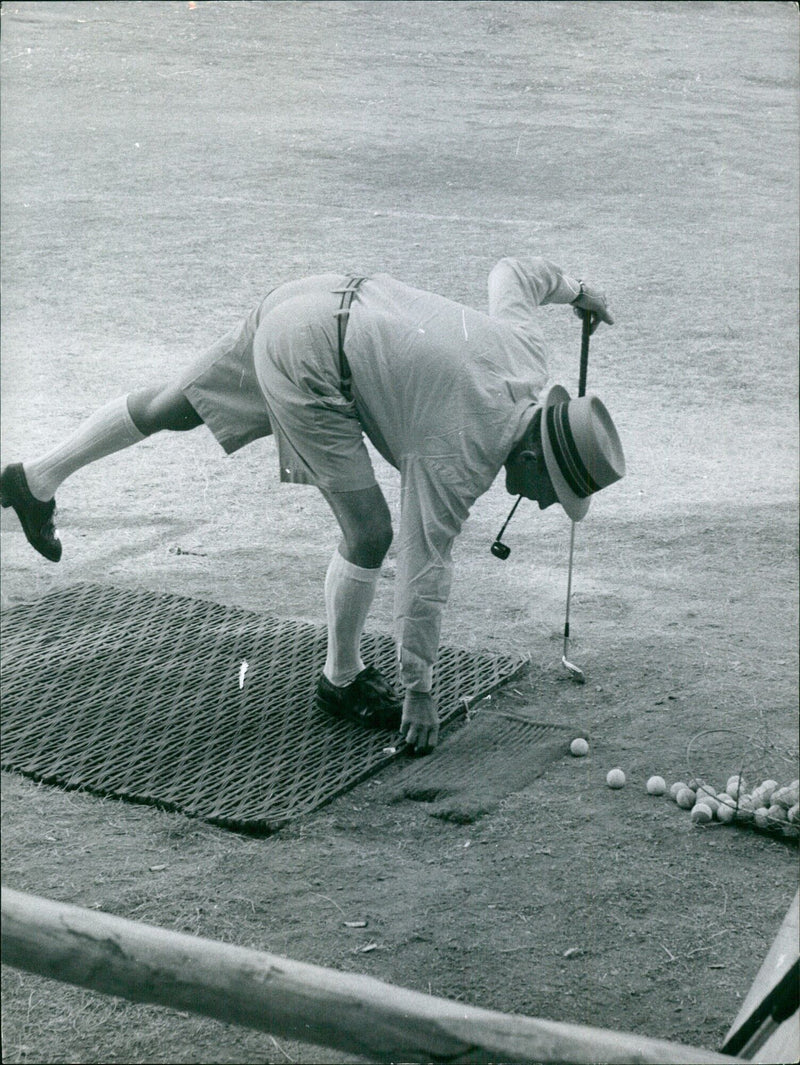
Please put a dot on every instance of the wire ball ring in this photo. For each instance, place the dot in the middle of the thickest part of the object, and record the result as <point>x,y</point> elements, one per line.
<point>745,765</point>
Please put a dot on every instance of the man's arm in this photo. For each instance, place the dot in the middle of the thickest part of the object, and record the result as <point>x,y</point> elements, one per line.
<point>432,513</point>
<point>518,286</point>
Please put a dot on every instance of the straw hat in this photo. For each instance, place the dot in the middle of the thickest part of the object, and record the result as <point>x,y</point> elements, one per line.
<point>581,446</point>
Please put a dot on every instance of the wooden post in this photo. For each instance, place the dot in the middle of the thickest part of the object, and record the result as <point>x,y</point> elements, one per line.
<point>315,1005</point>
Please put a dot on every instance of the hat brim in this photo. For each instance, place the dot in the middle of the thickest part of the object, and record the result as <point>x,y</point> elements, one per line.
<point>576,506</point>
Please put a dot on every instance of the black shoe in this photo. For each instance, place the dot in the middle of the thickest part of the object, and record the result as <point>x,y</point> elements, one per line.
<point>370,700</point>
<point>35,517</point>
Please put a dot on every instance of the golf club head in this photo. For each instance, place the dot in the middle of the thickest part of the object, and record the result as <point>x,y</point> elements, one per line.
<point>574,671</point>
<point>501,551</point>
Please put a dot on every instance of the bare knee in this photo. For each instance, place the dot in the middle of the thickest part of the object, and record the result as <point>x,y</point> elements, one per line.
<point>366,525</point>
<point>368,545</point>
<point>162,407</point>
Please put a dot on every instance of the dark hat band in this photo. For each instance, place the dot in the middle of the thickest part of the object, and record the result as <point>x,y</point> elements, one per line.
<point>566,453</point>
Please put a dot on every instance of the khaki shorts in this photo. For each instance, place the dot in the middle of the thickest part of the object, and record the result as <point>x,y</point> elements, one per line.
<point>277,373</point>
<point>221,386</point>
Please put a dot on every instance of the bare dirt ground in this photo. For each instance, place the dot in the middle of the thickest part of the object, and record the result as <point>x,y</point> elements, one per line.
<point>165,164</point>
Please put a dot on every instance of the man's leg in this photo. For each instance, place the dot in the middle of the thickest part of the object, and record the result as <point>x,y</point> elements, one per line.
<point>119,424</point>
<point>352,576</point>
<point>366,525</point>
<point>346,687</point>
<point>29,487</point>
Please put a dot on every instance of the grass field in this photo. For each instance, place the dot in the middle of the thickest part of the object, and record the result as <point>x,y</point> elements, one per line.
<point>164,165</point>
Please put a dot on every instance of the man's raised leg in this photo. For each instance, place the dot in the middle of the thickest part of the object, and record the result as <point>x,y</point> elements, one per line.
<point>29,487</point>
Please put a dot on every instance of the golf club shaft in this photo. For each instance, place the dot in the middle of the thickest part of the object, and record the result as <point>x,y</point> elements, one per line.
<point>569,586</point>
<point>586,328</point>
<point>586,323</point>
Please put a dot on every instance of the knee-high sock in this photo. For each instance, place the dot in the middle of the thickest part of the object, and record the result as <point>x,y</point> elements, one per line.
<point>109,429</point>
<point>349,591</point>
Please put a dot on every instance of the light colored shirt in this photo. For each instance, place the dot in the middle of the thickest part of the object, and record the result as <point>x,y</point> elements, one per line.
<point>444,392</point>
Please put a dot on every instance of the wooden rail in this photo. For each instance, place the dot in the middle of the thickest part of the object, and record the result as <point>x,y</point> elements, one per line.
<point>321,1006</point>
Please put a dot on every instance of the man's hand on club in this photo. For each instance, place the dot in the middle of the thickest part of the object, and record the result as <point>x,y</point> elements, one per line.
<point>420,724</point>
<point>593,301</point>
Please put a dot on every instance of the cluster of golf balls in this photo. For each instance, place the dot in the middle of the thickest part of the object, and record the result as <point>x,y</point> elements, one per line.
<point>767,807</point>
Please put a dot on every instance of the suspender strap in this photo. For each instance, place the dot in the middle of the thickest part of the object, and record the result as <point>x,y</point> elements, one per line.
<point>348,292</point>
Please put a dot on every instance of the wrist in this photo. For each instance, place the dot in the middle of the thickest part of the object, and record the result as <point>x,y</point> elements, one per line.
<point>581,292</point>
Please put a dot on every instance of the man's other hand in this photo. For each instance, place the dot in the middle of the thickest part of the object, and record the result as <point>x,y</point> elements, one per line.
<point>420,724</point>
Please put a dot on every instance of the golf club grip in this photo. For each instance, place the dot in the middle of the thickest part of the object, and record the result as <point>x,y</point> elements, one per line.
<point>586,321</point>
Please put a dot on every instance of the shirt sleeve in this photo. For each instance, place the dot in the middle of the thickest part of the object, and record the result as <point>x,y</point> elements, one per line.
<point>518,286</point>
<point>433,509</point>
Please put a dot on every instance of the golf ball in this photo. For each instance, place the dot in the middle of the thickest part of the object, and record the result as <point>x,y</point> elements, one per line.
<point>768,786</point>
<point>685,798</point>
<point>679,785</point>
<point>736,785</point>
<point>579,747</point>
<point>761,817</point>
<point>784,797</point>
<point>615,778</point>
<point>701,814</point>
<point>776,815</point>
<point>656,786</point>
<point>710,801</point>
<point>725,813</point>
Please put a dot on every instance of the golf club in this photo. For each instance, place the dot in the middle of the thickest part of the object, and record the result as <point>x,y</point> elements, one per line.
<point>499,549</point>
<point>575,672</point>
